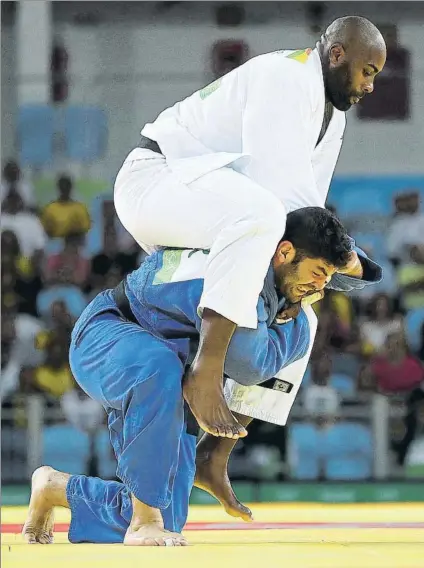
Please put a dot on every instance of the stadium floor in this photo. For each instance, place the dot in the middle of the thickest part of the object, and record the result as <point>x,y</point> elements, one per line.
<point>283,535</point>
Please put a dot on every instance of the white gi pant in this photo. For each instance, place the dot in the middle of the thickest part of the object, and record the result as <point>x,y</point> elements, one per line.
<point>221,210</point>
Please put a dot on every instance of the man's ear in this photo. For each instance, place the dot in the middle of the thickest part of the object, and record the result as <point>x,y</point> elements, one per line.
<point>285,252</point>
<point>336,54</point>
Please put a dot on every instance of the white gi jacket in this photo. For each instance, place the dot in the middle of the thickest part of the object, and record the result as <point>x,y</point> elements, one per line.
<point>264,118</point>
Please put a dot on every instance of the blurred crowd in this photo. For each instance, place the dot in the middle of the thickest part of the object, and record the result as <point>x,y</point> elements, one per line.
<point>49,275</point>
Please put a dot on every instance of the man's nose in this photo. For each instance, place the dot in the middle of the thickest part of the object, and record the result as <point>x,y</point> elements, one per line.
<point>368,87</point>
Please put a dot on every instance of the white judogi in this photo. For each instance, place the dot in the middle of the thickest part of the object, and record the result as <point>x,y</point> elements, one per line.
<point>237,156</point>
<point>269,405</point>
<point>272,405</point>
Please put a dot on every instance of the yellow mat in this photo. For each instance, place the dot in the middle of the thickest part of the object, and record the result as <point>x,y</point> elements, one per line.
<point>283,536</point>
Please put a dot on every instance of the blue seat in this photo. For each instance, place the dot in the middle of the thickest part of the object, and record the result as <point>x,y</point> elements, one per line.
<point>72,296</point>
<point>304,451</point>
<point>107,462</point>
<point>85,133</point>
<point>414,321</point>
<point>348,452</point>
<point>373,244</point>
<point>356,202</point>
<point>65,448</point>
<point>35,134</point>
<point>343,384</point>
<point>346,363</point>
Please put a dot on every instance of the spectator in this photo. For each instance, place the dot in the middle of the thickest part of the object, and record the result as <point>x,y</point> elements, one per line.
<point>54,376</point>
<point>9,297</point>
<point>59,324</point>
<point>411,279</point>
<point>22,282</point>
<point>26,226</point>
<point>321,401</point>
<point>111,258</point>
<point>12,182</point>
<point>421,349</point>
<point>407,226</point>
<point>18,333</point>
<point>395,369</point>
<point>81,411</point>
<point>336,328</point>
<point>379,324</point>
<point>68,266</point>
<point>10,249</point>
<point>65,216</point>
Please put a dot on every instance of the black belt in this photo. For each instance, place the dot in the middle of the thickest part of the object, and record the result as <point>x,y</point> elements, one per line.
<point>122,302</point>
<point>123,305</point>
<point>148,144</point>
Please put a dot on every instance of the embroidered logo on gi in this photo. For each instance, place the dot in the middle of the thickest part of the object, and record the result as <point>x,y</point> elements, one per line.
<point>209,89</point>
<point>282,386</point>
<point>170,263</point>
<point>300,55</point>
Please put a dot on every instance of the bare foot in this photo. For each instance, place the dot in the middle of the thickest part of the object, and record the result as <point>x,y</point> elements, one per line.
<point>38,527</point>
<point>153,535</point>
<point>212,477</point>
<point>205,397</point>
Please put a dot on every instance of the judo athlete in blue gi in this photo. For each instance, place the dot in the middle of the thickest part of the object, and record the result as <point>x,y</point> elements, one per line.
<point>129,351</point>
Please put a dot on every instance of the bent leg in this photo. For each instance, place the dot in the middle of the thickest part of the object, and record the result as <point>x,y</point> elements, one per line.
<point>138,378</point>
<point>224,211</point>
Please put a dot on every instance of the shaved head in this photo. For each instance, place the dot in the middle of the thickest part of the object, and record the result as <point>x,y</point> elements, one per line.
<point>352,32</point>
<point>352,52</point>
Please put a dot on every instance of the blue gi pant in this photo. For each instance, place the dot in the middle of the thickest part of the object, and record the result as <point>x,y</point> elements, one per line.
<point>137,377</point>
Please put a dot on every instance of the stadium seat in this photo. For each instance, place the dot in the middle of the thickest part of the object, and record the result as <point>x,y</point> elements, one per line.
<point>35,134</point>
<point>304,451</point>
<point>65,448</point>
<point>107,462</point>
<point>72,296</point>
<point>373,244</point>
<point>356,201</point>
<point>343,384</point>
<point>414,321</point>
<point>346,364</point>
<point>348,452</point>
<point>85,133</point>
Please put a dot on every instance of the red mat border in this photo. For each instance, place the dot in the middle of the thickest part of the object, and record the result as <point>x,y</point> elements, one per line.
<point>16,528</point>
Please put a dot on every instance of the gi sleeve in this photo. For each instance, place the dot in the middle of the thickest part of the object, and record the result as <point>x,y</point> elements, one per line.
<point>257,355</point>
<point>277,130</point>
<point>372,274</point>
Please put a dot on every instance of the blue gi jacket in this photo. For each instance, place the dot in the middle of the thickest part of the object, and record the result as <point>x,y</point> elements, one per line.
<point>167,307</point>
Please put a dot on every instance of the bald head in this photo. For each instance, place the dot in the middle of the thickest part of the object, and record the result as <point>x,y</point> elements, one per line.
<point>352,32</point>
<point>352,52</point>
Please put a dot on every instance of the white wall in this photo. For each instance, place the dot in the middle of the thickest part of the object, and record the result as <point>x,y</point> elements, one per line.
<point>135,65</point>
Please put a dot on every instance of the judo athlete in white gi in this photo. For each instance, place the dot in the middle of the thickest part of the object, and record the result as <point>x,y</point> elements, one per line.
<point>221,169</point>
<point>129,351</point>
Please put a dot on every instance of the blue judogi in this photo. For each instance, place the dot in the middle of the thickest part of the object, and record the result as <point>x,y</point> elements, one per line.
<point>136,371</point>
